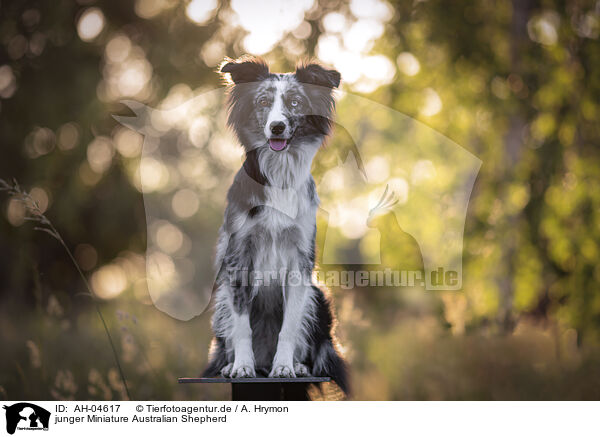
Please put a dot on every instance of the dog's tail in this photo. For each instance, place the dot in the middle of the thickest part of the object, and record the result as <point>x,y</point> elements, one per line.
<point>326,360</point>
<point>217,359</point>
<point>329,363</point>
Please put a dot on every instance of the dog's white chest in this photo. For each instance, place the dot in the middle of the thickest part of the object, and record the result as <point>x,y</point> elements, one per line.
<point>283,208</point>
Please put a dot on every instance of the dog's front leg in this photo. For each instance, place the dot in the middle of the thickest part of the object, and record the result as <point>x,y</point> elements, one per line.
<point>243,362</point>
<point>296,299</point>
<point>239,264</point>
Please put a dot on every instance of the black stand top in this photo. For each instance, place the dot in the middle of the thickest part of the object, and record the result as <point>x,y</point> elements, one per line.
<point>304,379</point>
<point>264,389</point>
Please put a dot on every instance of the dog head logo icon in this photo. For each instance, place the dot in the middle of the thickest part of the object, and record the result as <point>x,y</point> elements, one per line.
<point>26,416</point>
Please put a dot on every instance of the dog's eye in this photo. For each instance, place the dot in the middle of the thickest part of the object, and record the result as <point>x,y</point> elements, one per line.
<point>294,103</point>
<point>263,102</point>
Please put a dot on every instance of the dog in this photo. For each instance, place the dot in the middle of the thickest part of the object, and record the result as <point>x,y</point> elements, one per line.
<point>269,316</point>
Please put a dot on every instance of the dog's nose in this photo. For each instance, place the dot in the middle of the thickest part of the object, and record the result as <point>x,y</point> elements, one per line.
<point>277,127</point>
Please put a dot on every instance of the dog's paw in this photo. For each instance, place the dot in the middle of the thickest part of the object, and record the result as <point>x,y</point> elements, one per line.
<point>243,371</point>
<point>282,371</point>
<point>226,371</point>
<point>301,370</point>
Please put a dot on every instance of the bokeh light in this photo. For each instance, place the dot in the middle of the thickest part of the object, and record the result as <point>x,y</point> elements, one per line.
<point>168,237</point>
<point>90,24</point>
<point>408,63</point>
<point>185,203</point>
<point>432,103</point>
<point>109,281</point>
<point>154,175</point>
<point>200,11</point>
<point>99,154</point>
<point>68,136</point>
<point>128,143</point>
<point>8,83</point>
<point>86,256</point>
<point>267,24</point>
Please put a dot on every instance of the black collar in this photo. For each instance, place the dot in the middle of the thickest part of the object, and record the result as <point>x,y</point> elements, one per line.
<point>252,167</point>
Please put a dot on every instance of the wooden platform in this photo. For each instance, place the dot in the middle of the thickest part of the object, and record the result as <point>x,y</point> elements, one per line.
<point>263,389</point>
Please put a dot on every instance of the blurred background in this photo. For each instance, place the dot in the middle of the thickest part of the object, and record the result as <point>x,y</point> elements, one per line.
<point>516,84</point>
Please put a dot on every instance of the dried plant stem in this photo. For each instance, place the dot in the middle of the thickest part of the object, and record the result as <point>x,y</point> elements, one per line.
<point>37,215</point>
<point>98,311</point>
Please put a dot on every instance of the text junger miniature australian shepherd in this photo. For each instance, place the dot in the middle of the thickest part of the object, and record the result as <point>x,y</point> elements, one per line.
<point>269,316</point>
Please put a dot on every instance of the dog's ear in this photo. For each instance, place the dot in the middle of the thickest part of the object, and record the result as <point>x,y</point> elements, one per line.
<point>247,70</point>
<point>317,75</point>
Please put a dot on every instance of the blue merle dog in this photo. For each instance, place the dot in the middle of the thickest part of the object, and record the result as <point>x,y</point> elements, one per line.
<point>269,316</point>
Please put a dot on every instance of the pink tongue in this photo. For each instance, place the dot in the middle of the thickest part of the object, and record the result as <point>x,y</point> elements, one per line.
<point>277,144</point>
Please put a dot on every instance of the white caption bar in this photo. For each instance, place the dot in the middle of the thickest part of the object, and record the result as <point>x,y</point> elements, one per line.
<point>297,418</point>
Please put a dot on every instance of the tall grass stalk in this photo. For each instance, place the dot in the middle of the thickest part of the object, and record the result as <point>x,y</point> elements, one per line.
<point>35,214</point>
